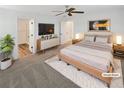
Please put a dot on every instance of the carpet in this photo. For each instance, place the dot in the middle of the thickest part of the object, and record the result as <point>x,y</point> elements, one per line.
<point>83,79</point>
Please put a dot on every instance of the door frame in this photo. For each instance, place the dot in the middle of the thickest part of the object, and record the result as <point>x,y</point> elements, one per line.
<point>34,35</point>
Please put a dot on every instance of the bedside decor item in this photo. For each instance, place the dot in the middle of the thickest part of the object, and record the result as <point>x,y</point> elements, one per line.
<point>77,38</point>
<point>42,36</point>
<point>99,25</point>
<point>55,36</point>
<point>6,48</point>
<point>118,40</point>
<point>50,36</point>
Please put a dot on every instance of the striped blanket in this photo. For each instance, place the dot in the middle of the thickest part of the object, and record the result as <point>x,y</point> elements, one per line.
<point>94,54</point>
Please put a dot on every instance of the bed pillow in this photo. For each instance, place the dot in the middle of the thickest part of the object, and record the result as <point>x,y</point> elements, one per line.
<point>102,39</point>
<point>89,38</point>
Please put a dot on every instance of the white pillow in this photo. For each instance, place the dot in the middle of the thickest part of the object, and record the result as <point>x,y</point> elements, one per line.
<point>102,39</point>
<point>89,38</point>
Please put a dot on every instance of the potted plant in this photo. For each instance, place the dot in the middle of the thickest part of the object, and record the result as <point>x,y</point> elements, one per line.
<point>6,48</point>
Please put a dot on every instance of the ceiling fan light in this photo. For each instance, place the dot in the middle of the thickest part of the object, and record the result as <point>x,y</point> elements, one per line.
<point>69,14</point>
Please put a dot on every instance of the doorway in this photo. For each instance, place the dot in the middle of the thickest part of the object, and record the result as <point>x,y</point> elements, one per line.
<point>23,38</point>
<point>66,32</point>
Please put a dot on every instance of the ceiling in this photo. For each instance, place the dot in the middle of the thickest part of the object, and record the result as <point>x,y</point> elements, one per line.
<point>47,9</point>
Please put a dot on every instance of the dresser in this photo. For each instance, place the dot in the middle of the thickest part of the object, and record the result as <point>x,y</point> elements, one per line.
<point>45,44</point>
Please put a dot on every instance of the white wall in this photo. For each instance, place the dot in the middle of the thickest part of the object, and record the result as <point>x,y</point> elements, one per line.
<point>116,16</point>
<point>8,25</point>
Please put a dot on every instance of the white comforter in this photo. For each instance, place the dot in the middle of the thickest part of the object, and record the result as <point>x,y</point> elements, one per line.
<point>96,58</point>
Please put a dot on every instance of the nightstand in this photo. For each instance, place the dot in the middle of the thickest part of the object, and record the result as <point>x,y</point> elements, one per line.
<point>118,50</point>
<point>74,41</point>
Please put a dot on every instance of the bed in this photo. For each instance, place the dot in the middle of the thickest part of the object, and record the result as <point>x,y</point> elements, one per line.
<point>92,55</point>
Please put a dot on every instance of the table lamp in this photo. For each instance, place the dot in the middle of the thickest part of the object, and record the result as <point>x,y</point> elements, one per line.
<point>77,36</point>
<point>118,40</point>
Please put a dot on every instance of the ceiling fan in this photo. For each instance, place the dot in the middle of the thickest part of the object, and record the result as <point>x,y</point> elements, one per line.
<point>68,11</point>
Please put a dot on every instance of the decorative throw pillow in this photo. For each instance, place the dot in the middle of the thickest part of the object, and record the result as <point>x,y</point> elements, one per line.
<point>102,39</point>
<point>89,38</point>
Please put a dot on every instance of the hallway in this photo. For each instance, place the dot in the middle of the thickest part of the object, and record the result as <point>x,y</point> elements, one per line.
<point>24,50</point>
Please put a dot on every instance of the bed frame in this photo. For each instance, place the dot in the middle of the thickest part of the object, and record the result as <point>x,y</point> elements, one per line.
<point>87,68</point>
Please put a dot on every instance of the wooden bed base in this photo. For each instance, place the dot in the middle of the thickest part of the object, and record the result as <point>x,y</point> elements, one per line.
<point>86,68</point>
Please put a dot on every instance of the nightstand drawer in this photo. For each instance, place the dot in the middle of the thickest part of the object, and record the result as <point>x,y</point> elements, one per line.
<point>118,47</point>
<point>118,50</point>
<point>74,41</point>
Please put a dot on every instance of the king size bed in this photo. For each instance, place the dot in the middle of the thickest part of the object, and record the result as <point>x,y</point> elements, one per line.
<point>92,55</point>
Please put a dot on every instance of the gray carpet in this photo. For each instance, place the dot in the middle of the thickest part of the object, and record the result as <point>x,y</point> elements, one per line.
<point>32,72</point>
<point>36,75</point>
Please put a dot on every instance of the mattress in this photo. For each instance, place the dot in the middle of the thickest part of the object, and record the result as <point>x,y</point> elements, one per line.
<point>97,58</point>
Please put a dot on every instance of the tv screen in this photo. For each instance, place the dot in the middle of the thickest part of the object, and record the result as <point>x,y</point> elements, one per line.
<point>45,29</point>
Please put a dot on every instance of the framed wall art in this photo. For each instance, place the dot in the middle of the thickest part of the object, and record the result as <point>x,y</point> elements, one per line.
<point>99,25</point>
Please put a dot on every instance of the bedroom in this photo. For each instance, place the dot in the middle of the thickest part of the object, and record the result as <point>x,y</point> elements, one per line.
<point>75,27</point>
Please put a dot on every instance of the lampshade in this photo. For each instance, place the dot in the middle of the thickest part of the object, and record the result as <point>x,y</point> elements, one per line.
<point>77,36</point>
<point>118,39</point>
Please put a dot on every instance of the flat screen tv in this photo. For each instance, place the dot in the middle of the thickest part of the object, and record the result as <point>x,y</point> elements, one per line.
<point>45,29</point>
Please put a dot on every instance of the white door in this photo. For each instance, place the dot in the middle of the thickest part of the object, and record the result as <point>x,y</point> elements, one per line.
<point>31,36</point>
<point>66,32</point>
<point>23,29</point>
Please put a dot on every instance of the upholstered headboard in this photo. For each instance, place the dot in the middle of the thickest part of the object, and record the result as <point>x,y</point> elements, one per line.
<point>101,34</point>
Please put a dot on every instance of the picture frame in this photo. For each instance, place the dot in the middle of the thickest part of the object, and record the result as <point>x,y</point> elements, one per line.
<point>99,25</point>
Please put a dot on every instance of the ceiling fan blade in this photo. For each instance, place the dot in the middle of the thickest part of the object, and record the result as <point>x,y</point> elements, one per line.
<point>57,11</point>
<point>70,9</point>
<point>60,14</point>
<point>77,12</point>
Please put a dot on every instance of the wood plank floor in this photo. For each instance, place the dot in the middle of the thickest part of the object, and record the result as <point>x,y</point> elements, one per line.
<point>24,50</point>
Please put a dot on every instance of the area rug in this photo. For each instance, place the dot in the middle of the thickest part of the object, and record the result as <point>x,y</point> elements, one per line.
<point>83,79</point>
